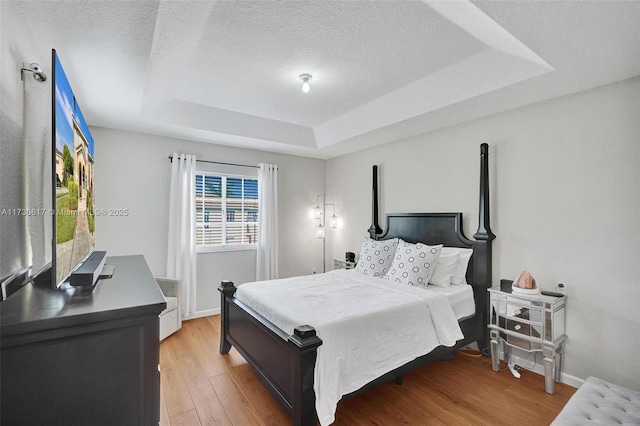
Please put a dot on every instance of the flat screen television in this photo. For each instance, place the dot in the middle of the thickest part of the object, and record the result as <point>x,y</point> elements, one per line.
<point>74,259</point>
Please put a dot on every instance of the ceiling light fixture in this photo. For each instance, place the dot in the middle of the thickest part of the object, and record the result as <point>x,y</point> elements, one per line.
<point>305,82</point>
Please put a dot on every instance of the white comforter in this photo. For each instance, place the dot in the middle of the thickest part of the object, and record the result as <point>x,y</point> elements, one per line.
<point>368,326</point>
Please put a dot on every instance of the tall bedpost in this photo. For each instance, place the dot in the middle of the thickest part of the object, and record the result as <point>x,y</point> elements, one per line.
<point>374,229</point>
<point>484,226</point>
<point>483,237</point>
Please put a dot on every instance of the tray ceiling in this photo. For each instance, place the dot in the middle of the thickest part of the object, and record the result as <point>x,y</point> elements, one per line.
<point>227,72</point>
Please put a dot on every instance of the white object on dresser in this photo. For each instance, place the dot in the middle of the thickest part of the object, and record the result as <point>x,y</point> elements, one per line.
<point>531,323</point>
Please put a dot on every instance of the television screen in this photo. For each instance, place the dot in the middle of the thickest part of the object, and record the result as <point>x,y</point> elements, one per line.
<point>73,161</point>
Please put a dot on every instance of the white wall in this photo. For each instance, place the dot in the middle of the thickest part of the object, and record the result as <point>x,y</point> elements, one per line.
<point>133,172</point>
<point>565,205</point>
<point>25,148</point>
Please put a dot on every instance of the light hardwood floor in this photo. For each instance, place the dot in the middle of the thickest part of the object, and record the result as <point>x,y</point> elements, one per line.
<point>201,387</point>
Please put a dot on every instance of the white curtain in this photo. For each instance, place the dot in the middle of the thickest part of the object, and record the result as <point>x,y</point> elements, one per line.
<point>267,256</point>
<point>181,253</point>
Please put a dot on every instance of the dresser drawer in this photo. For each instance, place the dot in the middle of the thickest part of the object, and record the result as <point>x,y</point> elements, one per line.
<point>528,331</point>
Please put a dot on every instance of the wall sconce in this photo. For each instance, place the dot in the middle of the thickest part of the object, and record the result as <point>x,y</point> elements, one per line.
<point>319,215</point>
<point>317,210</point>
<point>333,220</point>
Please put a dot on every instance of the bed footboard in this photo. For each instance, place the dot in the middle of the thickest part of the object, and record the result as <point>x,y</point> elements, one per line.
<point>284,363</point>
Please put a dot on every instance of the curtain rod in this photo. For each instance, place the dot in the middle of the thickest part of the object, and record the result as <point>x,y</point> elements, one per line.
<point>220,162</point>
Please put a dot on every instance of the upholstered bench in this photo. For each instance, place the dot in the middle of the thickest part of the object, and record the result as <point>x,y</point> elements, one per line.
<point>600,403</point>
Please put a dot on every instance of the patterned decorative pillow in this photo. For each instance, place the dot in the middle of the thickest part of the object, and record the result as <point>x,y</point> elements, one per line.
<point>376,257</point>
<point>414,263</point>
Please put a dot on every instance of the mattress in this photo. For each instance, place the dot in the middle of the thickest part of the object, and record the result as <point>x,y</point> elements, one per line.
<point>369,326</point>
<point>460,298</point>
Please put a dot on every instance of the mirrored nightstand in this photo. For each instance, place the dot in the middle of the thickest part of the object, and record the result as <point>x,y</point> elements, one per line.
<point>530,323</point>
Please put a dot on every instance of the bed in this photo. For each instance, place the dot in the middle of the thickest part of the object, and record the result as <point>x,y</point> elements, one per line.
<point>284,356</point>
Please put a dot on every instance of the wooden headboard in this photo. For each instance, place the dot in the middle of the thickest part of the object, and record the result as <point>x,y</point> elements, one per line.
<point>428,228</point>
<point>446,229</point>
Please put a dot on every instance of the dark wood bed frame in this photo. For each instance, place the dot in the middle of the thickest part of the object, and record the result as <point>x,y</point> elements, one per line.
<point>285,363</point>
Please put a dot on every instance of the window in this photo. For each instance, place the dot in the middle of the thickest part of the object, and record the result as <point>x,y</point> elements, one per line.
<point>226,211</point>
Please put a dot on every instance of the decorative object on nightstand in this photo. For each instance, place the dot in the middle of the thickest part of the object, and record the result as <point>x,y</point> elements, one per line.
<point>525,284</point>
<point>531,323</point>
<point>350,256</point>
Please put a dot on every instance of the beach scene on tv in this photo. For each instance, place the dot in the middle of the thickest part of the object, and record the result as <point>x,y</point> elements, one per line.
<point>74,163</point>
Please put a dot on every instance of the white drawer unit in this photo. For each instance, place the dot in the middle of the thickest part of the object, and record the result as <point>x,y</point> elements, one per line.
<point>530,323</point>
<point>343,264</point>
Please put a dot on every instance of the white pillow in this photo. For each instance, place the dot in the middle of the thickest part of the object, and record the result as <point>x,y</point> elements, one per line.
<point>376,257</point>
<point>445,268</point>
<point>413,263</point>
<point>460,276</point>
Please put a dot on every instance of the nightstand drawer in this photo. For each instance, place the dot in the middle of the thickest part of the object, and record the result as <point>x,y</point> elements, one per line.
<point>343,264</point>
<point>528,331</point>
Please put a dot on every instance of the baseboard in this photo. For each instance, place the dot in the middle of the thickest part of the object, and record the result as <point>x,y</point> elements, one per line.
<point>570,380</point>
<point>200,314</point>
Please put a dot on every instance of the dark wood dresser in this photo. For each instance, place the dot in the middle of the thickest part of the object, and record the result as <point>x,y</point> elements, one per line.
<point>73,359</point>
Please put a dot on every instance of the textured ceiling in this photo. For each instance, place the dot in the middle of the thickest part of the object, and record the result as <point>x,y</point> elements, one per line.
<point>227,71</point>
